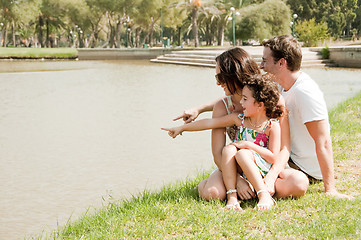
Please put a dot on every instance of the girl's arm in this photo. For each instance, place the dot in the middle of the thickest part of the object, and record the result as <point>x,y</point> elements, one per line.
<point>284,153</point>
<point>204,124</point>
<point>274,143</point>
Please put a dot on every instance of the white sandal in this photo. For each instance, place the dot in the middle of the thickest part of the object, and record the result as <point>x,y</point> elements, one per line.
<point>265,206</point>
<point>235,206</point>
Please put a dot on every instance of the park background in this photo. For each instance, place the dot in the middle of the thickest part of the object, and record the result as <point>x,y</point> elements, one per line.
<point>142,23</point>
<point>48,24</point>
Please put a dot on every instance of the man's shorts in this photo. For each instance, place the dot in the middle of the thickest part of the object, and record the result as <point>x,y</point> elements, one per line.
<point>310,178</point>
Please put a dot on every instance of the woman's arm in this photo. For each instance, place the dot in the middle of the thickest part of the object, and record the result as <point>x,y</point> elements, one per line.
<point>191,114</point>
<point>274,142</point>
<point>218,137</point>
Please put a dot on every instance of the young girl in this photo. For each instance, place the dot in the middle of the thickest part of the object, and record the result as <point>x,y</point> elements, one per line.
<point>258,138</point>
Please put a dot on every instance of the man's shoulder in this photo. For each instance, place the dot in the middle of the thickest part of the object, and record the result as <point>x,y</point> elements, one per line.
<point>305,85</point>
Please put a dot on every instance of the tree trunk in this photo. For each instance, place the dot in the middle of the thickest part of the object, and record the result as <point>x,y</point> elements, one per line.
<point>13,33</point>
<point>117,33</point>
<point>47,34</point>
<point>40,35</point>
<point>220,38</point>
<point>195,26</point>
<point>179,36</point>
<point>138,31</point>
<point>5,36</point>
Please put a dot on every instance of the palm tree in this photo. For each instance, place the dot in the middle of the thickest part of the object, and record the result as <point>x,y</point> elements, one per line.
<point>224,7</point>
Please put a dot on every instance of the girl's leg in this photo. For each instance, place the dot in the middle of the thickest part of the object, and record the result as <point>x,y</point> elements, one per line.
<point>212,188</point>
<point>245,159</point>
<point>229,173</point>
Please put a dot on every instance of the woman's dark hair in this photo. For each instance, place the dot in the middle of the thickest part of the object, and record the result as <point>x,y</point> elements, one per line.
<point>265,90</point>
<point>236,66</point>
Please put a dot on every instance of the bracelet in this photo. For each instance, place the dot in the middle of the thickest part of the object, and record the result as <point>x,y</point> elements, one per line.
<point>231,191</point>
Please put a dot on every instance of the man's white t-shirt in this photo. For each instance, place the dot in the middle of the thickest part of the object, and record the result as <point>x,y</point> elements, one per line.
<point>305,103</point>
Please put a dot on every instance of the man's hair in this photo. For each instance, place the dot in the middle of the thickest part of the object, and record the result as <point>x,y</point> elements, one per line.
<point>286,47</point>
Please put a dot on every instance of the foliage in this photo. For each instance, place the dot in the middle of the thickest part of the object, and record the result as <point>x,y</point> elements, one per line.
<point>311,33</point>
<point>115,23</point>
<point>325,52</point>
<point>265,20</point>
<point>338,15</point>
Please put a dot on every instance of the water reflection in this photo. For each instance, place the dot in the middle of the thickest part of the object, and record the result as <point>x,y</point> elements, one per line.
<point>74,132</point>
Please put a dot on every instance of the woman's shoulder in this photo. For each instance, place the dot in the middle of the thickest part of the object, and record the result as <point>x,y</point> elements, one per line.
<point>220,106</point>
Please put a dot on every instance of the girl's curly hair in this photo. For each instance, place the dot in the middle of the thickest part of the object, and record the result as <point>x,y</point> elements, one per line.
<point>265,90</point>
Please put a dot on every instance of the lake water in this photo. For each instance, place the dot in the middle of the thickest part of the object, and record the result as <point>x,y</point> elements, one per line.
<point>73,133</point>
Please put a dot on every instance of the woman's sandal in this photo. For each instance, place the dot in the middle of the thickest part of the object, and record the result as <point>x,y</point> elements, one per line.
<point>264,206</point>
<point>235,206</point>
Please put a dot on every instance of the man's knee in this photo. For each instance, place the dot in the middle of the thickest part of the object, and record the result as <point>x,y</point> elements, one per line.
<point>291,183</point>
<point>300,184</point>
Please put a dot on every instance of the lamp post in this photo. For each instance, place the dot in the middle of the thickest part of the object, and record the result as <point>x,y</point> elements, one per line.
<point>233,27</point>
<point>161,28</point>
<point>294,16</point>
<point>233,10</point>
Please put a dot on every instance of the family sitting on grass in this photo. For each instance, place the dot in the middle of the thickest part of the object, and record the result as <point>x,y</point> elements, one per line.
<point>280,140</point>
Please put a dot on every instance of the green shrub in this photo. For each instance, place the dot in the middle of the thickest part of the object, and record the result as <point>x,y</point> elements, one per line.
<point>325,52</point>
<point>311,33</point>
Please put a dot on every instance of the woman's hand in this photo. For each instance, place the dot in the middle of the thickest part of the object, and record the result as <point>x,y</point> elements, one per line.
<point>173,132</point>
<point>244,189</point>
<point>188,115</point>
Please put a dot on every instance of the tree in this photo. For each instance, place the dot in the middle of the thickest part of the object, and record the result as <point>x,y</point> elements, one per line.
<point>264,20</point>
<point>338,14</point>
<point>224,7</point>
<point>311,33</point>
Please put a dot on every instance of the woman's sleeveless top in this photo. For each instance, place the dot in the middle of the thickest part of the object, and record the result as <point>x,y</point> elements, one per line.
<point>231,131</point>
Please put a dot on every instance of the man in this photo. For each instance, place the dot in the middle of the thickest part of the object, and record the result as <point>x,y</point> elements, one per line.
<point>311,147</point>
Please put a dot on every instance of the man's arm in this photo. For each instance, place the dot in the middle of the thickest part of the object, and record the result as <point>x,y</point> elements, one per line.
<point>284,153</point>
<point>320,135</point>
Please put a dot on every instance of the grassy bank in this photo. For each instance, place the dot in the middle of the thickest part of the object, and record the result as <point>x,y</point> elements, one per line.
<point>38,53</point>
<point>177,212</point>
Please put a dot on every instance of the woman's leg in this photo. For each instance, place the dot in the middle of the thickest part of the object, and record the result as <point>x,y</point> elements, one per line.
<point>229,173</point>
<point>212,188</point>
<point>245,159</point>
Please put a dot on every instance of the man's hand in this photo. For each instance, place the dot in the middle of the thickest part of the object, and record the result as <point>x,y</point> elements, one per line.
<point>188,115</point>
<point>244,189</point>
<point>335,194</point>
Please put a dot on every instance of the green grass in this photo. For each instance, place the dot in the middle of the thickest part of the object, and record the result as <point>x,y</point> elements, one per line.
<point>34,53</point>
<point>177,212</point>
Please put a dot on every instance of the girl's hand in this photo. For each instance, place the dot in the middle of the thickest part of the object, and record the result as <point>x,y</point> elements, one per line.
<point>241,144</point>
<point>173,132</point>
